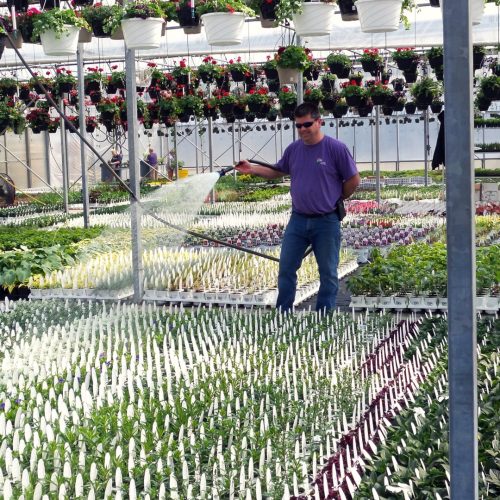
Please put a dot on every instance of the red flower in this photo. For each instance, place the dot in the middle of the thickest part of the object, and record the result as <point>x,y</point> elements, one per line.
<point>115,66</point>
<point>151,65</point>
<point>230,9</point>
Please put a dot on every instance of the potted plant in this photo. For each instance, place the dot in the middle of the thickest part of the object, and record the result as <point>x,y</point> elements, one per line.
<point>410,108</point>
<point>191,105</point>
<point>371,61</point>
<point>240,107</point>
<point>8,87</point>
<point>142,24</point>
<point>495,67</point>
<point>38,119</point>
<point>348,10</point>
<point>258,101</point>
<point>224,21</point>
<point>238,69</point>
<point>25,25</point>
<point>406,59</point>
<point>100,18</point>
<point>340,108</point>
<point>109,107</point>
<point>181,72</point>
<point>225,101</point>
<point>339,64</point>
<point>53,126</point>
<point>40,83</point>
<point>59,30</point>
<point>381,17</point>
<point>168,109</point>
<point>287,99</point>
<point>328,82</point>
<point>435,56</point>
<point>478,55</point>
<point>481,102</point>
<point>309,18</point>
<point>75,121</point>
<point>365,109</point>
<point>209,70</point>
<point>92,80</point>
<point>7,27</point>
<point>436,105</point>
<point>329,100</point>
<point>313,94</point>
<point>379,93</point>
<point>398,84</point>
<point>187,17</point>
<point>6,110</point>
<point>64,81</point>
<point>425,91</point>
<point>290,62</point>
<point>210,108</point>
<point>354,94</point>
<point>269,68</point>
<point>490,87</point>
<point>267,12</point>
<point>90,124</point>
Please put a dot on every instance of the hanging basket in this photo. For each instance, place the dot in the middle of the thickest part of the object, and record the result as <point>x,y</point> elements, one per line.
<point>85,36</point>
<point>142,34</point>
<point>316,19</point>
<point>476,10</point>
<point>17,40</point>
<point>65,45</point>
<point>289,75</point>
<point>224,28</point>
<point>379,16</point>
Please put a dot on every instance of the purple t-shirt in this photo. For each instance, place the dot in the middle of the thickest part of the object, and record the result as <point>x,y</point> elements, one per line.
<point>317,173</point>
<point>152,159</point>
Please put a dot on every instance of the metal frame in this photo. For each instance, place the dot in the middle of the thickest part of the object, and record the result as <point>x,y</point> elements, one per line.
<point>460,212</point>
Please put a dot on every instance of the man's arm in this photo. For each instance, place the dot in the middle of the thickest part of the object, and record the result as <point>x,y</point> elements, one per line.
<point>245,167</point>
<point>350,186</point>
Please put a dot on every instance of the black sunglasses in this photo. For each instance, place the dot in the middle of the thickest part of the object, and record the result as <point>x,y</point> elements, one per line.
<point>305,124</point>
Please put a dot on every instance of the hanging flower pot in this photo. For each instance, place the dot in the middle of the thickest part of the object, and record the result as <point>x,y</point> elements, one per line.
<point>189,20</point>
<point>289,75</point>
<point>61,44</point>
<point>267,10</point>
<point>328,103</point>
<point>273,85</point>
<point>83,3</point>
<point>316,19</point>
<point>142,34</point>
<point>410,77</point>
<point>17,39</point>
<point>20,5</point>
<point>365,110</point>
<point>95,96</point>
<point>85,36</point>
<point>410,108</point>
<point>224,28</point>
<point>379,16</point>
<point>348,10</point>
<point>239,112</point>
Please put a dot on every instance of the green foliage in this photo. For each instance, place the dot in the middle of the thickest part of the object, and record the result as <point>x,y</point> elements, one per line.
<point>339,58</point>
<point>293,56</point>
<point>11,239</point>
<point>208,6</point>
<point>55,20</point>
<point>17,266</point>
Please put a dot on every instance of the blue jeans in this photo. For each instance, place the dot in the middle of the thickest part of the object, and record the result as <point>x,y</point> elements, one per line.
<point>323,233</point>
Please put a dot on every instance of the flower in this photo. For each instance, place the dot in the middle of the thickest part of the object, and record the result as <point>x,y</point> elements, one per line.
<point>404,53</point>
<point>371,55</point>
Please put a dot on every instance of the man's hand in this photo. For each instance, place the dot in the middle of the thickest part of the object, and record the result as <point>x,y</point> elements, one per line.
<point>244,167</point>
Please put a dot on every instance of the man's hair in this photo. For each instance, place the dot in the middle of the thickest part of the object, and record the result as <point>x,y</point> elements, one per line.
<point>307,108</point>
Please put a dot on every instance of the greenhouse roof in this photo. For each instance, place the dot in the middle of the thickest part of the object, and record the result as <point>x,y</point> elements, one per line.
<point>426,30</point>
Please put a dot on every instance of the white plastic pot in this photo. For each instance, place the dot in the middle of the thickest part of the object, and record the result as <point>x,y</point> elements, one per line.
<point>379,16</point>
<point>65,45</point>
<point>476,10</point>
<point>289,75</point>
<point>142,34</point>
<point>316,19</point>
<point>224,28</point>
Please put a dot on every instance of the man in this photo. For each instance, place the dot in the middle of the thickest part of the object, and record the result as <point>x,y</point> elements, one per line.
<point>322,171</point>
<point>116,161</point>
<point>152,161</point>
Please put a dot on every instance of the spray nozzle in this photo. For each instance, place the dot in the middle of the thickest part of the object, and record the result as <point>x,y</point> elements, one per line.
<point>226,170</point>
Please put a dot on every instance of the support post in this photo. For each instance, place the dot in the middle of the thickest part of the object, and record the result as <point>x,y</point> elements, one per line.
<point>83,154</point>
<point>426,147</point>
<point>196,128</point>
<point>176,169</point>
<point>460,235</point>
<point>397,145</point>
<point>211,156</point>
<point>28,157</point>
<point>46,144</point>
<point>135,208</point>
<point>377,152</point>
<point>64,158</point>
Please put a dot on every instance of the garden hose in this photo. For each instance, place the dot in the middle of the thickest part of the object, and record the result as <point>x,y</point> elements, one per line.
<point>121,182</point>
